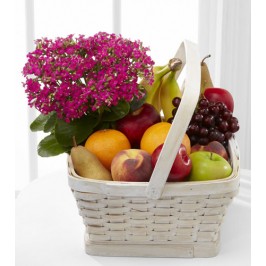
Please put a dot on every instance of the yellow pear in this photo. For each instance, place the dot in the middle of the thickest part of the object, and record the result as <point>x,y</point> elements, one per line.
<point>87,165</point>
<point>206,81</point>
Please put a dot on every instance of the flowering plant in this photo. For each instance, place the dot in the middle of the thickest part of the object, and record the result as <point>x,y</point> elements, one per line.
<point>81,84</point>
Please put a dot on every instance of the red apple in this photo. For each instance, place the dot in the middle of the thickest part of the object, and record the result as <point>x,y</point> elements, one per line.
<point>213,146</point>
<point>135,124</point>
<point>181,167</point>
<point>220,95</point>
<point>132,165</point>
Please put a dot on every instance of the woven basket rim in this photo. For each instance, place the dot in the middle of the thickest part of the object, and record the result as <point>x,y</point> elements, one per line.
<point>138,189</point>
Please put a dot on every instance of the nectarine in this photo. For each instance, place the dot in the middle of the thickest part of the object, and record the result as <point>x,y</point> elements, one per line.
<point>213,146</point>
<point>132,165</point>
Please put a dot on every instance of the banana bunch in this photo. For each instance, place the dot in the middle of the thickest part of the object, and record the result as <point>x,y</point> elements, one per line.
<point>169,89</point>
<point>164,88</point>
<point>153,91</point>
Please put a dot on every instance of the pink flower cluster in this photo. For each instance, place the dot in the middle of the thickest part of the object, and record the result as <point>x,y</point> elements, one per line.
<point>75,76</point>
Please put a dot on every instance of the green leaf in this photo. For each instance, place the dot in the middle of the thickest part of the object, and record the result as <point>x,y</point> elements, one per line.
<point>137,103</point>
<point>80,128</point>
<point>39,123</point>
<point>104,125</point>
<point>50,124</point>
<point>116,112</point>
<point>49,146</point>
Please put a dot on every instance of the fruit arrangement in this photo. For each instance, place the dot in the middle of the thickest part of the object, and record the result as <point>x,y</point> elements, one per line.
<point>114,126</point>
<point>203,153</point>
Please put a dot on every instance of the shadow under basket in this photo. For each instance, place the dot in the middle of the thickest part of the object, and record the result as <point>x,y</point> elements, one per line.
<point>156,218</point>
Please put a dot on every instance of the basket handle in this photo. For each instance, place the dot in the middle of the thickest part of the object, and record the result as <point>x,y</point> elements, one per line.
<point>188,53</point>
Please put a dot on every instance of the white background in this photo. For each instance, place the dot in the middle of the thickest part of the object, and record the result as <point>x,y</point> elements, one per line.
<point>12,125</point>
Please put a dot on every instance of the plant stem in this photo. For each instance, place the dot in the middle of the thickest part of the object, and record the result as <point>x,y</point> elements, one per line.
<point>207,56</point>
<point>74,141</point>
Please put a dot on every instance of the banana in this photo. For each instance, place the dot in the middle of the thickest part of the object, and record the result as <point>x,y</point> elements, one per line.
<point>169,89</point>
<point>153,91</point>
<point>158,68</point>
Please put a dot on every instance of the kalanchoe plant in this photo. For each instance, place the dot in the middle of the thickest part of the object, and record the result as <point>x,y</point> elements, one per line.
<point>82,84</point>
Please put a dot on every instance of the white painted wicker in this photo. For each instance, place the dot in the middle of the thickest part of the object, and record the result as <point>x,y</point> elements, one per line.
<point>158,219</point>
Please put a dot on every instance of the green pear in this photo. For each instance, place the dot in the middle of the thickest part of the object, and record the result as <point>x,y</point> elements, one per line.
<point>87,165</point>
<point>206,81</point>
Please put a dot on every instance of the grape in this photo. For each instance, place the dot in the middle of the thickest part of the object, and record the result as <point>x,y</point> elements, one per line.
<point>204,111</point>
<point>214,135</point>
<point>226,115</point>
<point>203,103</point>
<point>218,120</point>
<point>197,118</point>
<point>225,142</point>
<point>170,120</point>
<point>228,135</point>
<point>208,121</point>
<point>212,129</point>
<point>214,109</point>
<point>176,101</point>
<point>234,127</point>
<point>193,139</point>
<point>193,129</point>
<point>174,111</point>
<point>203,141</point>
<point>221,106</point>
<point>211,121</point>
<point>221,137</point>
<point>203,132</point>
<point>223,126</point>
<point>233,120</point>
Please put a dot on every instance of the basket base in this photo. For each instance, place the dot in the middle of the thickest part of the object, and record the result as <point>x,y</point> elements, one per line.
<point>195,250</point>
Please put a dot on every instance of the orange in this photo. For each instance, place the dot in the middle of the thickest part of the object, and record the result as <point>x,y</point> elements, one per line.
<point>186,142</point>
<point>156,134</point>
<point>106,143</point>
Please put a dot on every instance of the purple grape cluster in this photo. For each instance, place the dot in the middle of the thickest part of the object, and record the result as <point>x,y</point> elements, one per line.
<point>211,121</point>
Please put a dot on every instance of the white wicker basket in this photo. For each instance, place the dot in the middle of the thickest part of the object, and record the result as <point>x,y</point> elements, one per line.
<point>156,218</point>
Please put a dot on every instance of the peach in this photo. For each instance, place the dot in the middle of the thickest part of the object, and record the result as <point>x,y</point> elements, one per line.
<point>132,165</point>
<point>213,146</point>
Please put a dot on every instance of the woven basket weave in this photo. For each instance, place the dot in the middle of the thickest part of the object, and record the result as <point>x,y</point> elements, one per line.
<point>158,219</point>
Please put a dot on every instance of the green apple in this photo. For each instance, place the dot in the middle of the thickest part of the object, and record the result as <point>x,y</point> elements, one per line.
<point>208,166</point>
